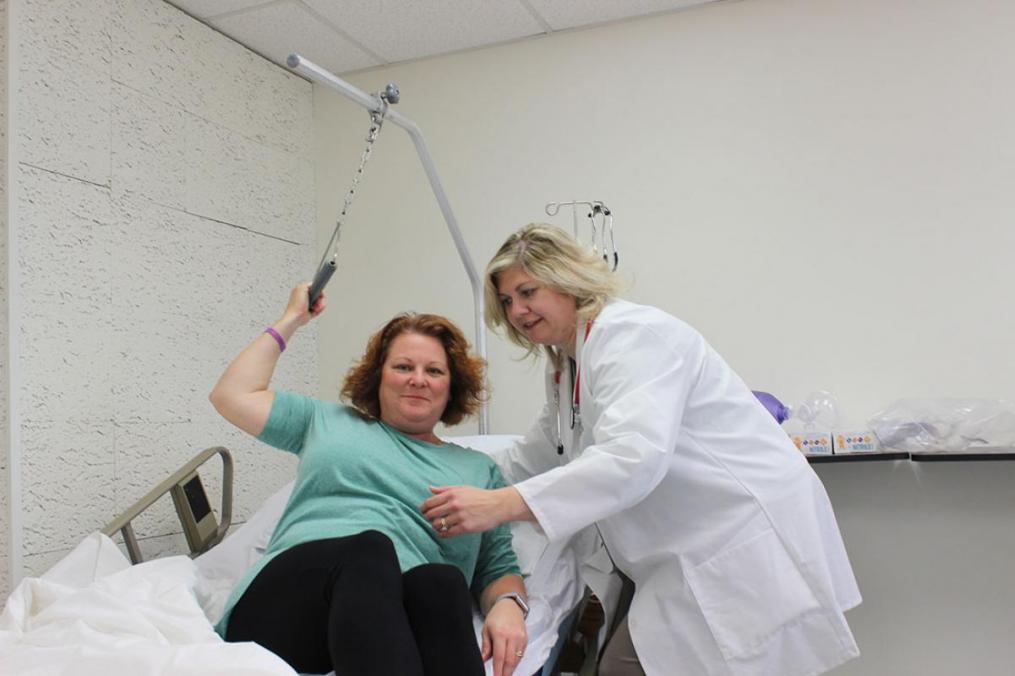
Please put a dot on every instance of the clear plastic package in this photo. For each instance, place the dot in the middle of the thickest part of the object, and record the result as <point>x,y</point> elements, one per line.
<point>945,425</point>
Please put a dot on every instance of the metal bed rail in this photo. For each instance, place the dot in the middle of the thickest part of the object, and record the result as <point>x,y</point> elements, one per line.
<point>122,523</point>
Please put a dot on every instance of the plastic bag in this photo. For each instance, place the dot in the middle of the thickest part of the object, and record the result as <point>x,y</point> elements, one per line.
<point>945,425</point>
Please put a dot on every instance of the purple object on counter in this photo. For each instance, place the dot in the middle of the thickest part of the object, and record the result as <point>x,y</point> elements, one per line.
<point>773,406</point>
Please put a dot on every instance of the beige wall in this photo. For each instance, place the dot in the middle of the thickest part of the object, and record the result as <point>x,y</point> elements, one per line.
<point>823,188</point>
<point>820,187</point>
<point>163,192</point>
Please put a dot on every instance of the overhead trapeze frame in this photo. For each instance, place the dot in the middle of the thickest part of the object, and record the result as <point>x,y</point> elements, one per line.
<point>375,104</point>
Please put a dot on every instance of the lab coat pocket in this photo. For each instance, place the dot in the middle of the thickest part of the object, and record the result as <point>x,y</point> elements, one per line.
<point>748,592</point>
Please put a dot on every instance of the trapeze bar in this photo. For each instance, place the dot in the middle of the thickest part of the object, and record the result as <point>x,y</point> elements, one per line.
<point>374,104</point>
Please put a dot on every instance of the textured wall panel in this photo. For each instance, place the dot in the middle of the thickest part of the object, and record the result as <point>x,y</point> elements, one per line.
<point>133,306</point>
<point>73,31</point>
<point>278,109</point>
<point>68,483</point>
<point>63,117</point>
<point>239,90</point>
<point>174,58</point>
<point>267,271</point>
<point>174,263</point>
<point>148,148</point>
<point>65,334</point>
<point>199,292</point>
<point>3,86</point>
<point>37,564</point>
<point>176,318</point>
<point>152,53</point>
<point>241,182</point>
<point>164,372</point>
<point>4,489</point>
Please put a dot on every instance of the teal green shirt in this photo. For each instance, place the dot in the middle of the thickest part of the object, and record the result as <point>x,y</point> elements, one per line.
<point>356,474</point>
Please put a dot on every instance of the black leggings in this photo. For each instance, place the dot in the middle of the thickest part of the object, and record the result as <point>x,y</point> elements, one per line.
<point>344,604</point>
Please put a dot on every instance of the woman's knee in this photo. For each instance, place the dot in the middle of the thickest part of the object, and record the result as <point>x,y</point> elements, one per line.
<point>373,545</point>
<point>373,541</point>
<point>436,581</point>
<point>370,555</point>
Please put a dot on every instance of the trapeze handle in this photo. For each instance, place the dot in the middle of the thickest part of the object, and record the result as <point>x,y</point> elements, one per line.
<point>321,280</point>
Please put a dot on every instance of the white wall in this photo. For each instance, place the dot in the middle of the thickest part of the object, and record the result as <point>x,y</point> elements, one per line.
<point>162,203</point>
<point>822,188</point>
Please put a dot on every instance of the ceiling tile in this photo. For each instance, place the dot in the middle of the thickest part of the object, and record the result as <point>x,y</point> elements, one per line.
<point>278,30</point>
<point>202,9</point>
<point>410,29</point>
<point>563,15</point>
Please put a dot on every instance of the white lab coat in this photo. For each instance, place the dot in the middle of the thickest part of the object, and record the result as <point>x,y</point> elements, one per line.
<point>700,498</point>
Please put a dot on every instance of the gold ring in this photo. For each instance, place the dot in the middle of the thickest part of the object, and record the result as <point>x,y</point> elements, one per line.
<point>519,653</point>
<point>444,525</point>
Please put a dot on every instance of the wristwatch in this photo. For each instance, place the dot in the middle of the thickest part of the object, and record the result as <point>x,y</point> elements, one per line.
<point>517,598</point>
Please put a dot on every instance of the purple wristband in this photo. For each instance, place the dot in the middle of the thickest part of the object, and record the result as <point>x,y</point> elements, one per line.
<point>277,336</point>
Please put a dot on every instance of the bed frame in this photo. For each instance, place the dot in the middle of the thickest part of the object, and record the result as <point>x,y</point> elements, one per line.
<point>198,520</point>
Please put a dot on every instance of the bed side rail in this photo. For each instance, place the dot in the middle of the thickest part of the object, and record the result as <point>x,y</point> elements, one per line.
<point>183,484</point>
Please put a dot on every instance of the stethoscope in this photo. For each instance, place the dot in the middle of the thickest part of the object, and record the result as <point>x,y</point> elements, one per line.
<point>576,375</point>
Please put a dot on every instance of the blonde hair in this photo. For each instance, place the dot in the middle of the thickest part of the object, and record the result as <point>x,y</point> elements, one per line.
<point>558,260</point>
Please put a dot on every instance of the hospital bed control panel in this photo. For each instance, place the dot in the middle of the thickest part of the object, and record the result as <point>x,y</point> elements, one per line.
<point>196,516</point>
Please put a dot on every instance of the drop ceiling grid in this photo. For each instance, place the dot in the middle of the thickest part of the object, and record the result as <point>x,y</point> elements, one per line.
<point>348,35</point>
<point>279,29</point>
<point>573,13</point>
<point>409,29</point>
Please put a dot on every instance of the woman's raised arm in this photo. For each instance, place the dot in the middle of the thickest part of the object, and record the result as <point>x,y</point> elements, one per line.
<point>241,395</point>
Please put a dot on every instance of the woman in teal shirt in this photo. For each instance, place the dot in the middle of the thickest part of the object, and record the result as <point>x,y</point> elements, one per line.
<point>354,578</point>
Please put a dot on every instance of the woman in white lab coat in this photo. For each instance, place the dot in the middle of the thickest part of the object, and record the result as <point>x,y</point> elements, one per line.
<point>651,441</point>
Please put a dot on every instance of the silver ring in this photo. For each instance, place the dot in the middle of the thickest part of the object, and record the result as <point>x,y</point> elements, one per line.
<point>444,525</point>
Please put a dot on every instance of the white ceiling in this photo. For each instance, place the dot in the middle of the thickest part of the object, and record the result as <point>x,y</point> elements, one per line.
<point>348,35</point>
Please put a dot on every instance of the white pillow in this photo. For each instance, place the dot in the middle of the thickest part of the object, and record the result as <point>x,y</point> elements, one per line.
<point>486,443</point>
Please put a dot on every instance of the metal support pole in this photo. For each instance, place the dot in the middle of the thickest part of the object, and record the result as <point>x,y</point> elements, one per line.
<point>314,72</point>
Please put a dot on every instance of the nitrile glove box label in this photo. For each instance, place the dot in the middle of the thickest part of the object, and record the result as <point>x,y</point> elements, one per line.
<point>813,443</point>
<point>856,442</point>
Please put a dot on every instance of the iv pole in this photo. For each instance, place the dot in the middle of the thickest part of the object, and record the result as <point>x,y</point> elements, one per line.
<point>314,72</point>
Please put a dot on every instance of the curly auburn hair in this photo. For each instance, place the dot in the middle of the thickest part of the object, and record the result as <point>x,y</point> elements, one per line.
<point>363,381</point>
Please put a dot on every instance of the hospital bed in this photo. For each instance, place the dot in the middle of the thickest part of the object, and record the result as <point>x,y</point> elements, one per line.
<point>96,612</point>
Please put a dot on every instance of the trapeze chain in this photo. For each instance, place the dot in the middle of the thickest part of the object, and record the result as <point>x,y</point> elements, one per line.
<point>376,122</point>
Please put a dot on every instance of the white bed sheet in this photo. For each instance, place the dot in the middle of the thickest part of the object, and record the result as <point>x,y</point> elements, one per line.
<point>95,614</point>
